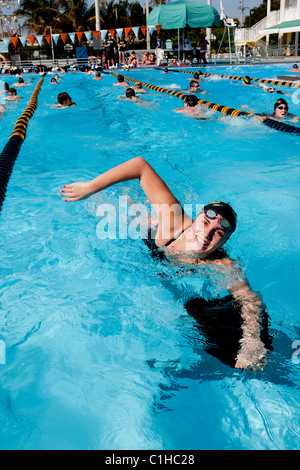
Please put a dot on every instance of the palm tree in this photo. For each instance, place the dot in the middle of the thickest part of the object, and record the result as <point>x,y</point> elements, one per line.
<point>39,14</point>
<point>75,16</point>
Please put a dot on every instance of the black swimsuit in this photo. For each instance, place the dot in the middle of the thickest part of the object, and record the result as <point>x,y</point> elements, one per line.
<point>156,251</point>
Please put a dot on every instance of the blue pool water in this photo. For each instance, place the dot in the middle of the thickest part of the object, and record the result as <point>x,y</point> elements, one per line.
<point>100,352</point>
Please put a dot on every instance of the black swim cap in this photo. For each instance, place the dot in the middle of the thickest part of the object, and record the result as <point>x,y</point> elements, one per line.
<point>225,210</point>
<point>279,102</point>
<point>247,79</point>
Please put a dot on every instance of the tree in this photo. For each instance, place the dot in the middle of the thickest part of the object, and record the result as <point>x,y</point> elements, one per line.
<point>39,14</point>
<point>75,16</point>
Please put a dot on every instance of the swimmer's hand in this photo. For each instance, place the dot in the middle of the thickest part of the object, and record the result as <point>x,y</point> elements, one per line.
<point>77,191</point>
<point>252,356</point>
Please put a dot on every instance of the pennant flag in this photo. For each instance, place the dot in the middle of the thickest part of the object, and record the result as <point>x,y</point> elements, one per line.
<point>151,29</point>
<point>31,39</point>
<point>158,28</point>
<point>103,34</point>
<point>143,29</point>
<point>48,38</point>
<point>120,32</point>
<point>96,34</point>
<point>136,30</point>
<point>39,39</point>
<point>23,40</point>
<point>55,38</point>
<point>64,37</point>
<point>79,36</point>
<point>127,31</point>
<point>112,32</point>
<point>14,40</point>
<point>88,35</point>
<point>72,37</point>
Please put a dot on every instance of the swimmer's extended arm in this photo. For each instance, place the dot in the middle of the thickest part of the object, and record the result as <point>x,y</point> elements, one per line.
<point>153,186</point>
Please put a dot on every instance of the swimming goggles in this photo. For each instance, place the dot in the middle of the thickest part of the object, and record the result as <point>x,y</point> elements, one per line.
<point>283,107</point>
<point>224,223</point>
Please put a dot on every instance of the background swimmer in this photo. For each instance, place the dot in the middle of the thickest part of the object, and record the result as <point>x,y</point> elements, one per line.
<point>98,76</point>
<point>20,82</point>
<point>12,95</point>
<point>195,88</point>
<point>121,82</point>
<point>138,88</point>
<point>191,107</point>
<point>5,88</point>
<point>196,77</point>
<point>130,96</point>
<point>64,101</point>
<point>295,69</point>
<point>271,89</point>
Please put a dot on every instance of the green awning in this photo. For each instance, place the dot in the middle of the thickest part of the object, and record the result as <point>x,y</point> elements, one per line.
<point>184,12</point>
<point>284,27</point>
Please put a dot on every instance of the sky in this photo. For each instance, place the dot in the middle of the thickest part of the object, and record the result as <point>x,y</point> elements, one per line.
<point>231,7</point>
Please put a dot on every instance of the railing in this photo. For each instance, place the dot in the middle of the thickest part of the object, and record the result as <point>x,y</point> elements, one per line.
<point>250,34</point>
<point>49,63</point>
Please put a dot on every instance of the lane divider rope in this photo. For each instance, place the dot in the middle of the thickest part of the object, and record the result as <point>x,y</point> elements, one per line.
<point>11,150</point>
<point>260,80</point>
<point>227,111</point>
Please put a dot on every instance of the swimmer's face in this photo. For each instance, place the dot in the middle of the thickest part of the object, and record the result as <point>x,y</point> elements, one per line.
<point>207,234</point>
<point>271,89</point>
<point>281,110</point>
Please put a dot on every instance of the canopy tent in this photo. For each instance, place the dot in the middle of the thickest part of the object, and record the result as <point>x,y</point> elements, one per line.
<point>284,27</point>
<point>184,12</point>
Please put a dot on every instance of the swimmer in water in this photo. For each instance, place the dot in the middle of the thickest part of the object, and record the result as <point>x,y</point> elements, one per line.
<point>130,96</point>
<point>281,112</point>
<point>64,101</point>
<point>195,88</point>
<point>138,88</point>
<point>5,88</point>
<point>121,82</point>
<point>98,76</point>
<point>20,82</point>
<point>12,95</point>
<point>295,69</point>
<point>189,242</point>
<point>191,107</point>
<point>196,77</point>
<point>247,81</point>
<point>271,89</point>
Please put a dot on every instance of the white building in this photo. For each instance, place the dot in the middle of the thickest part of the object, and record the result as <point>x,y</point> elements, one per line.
<point>284,22</point>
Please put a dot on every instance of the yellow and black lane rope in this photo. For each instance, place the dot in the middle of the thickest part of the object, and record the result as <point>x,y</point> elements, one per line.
<point>216,107</point>
<point>230,77</point>
<point>279,126</point>
<point>11,150</point>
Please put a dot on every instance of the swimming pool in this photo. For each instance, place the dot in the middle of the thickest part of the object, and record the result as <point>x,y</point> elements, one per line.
<point>100,352</point>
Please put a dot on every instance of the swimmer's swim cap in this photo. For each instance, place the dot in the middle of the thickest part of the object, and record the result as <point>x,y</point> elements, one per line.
<point>225,210</point>
<point>279,102</point>
<point>247,79</point>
